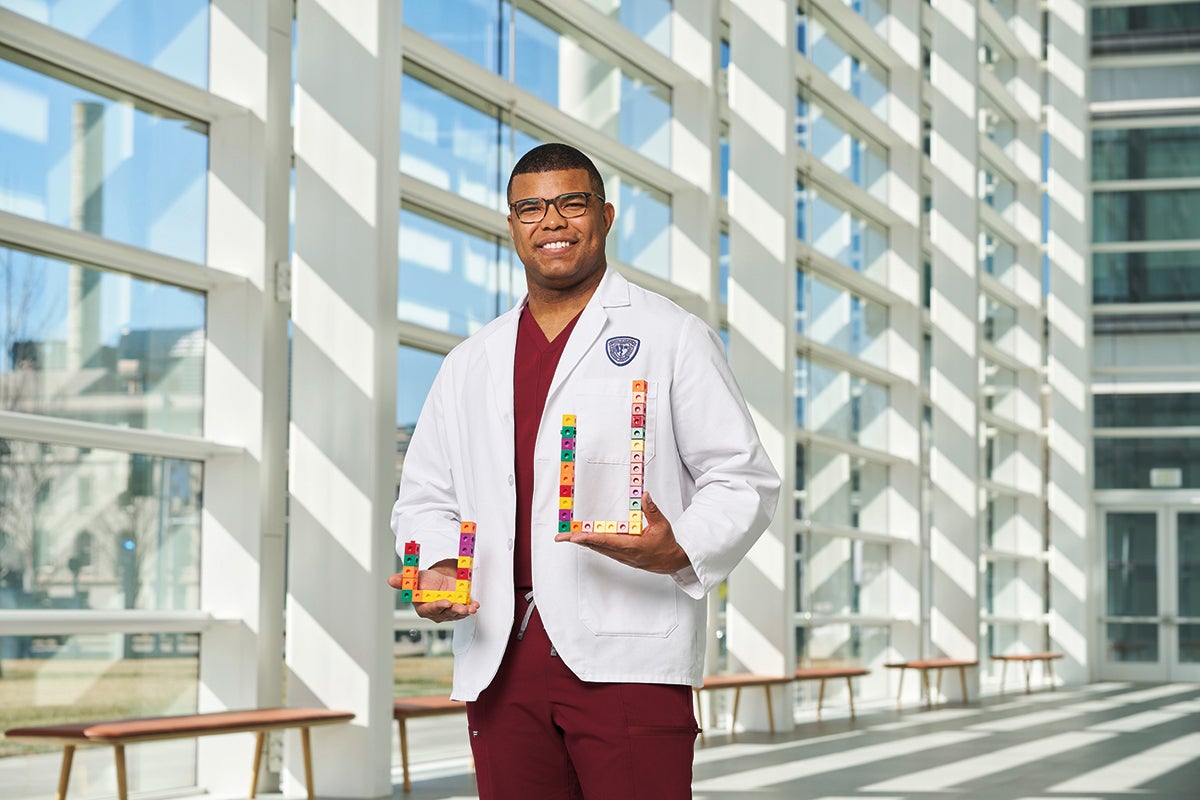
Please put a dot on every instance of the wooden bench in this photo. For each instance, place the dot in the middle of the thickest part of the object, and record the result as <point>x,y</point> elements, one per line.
<point>823,674</point>
<point>1027,659</point>
<point>737,682</point>
<point>410,707</point>
<point>936,664</point>
<point>119,733</point>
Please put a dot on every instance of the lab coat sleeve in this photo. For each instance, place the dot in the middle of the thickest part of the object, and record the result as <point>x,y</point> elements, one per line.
<point>427,508</point>
<point>737,487</point>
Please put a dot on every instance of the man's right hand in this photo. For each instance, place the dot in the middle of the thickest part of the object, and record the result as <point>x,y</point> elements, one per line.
<point>441,577</point>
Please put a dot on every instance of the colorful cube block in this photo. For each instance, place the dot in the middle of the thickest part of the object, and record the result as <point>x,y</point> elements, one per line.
<point>637,433</point>
<point>406,595</point>
<point>588,526</point>
<point>467,527</point>
<point>568,443</point>
<point>576,526</point>
<point>466,549</point>
<point>635,504</point>
<point>639,397</point>
<point>408,583</point>
<point>639,386</point>
<point>639,408</point>
<point>622,527</point>
<point>637,420</point>
<point>463,574</point>
<point>564,526</point>
<point>466,562</point>
<point>568,430</point>
<point>566,502</point>
<point>567,456</point>
<point>635,468</point>
<point>566,490</point>
<point>638,445</point>
<point>412,560</point>
<point>564,515</point>
<point>568,420</point>
<point>411,548</point>
<point>635,491</point>
<point>636,456</point>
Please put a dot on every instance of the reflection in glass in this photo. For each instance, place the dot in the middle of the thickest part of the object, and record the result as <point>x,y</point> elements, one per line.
<point>847,322</point>
<point>1131,642</point>
<point>847,576</point>
<point>1155,277</point>
<point>98,346</point>
<point>1189,644</point>
<point>833,54</point>
<point>1127,463</point>
<point>471,28</point>
<point>1188,553</point>
<point>649,19</point>
<point>842,644</point>
<point>85,157</point>
<point>50,678</point>
<point>452,280</point>
<point>1120,154</point>
<point>723,267</point>
<point>998,258</point>
<point>1001,523</point>
<point>1145,216</point>
<point>1146,410</point>
<point>847,237</point>
<point>170,37</point>
<point>1149,28</point>
<point>97,529</point>
<point>844,491</point>
<point>996,125</point>
<point>450,144</point>
<point>643,224</point>
<point>1131,550</point>
<point>840,404</point>
<point>1150,82</point>
<point>847,152</point>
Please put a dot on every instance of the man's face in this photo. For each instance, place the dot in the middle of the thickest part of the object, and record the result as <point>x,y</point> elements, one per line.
<point>560,254</point>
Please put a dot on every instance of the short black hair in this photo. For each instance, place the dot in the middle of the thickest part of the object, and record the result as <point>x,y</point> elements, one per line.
<point>554,157</point>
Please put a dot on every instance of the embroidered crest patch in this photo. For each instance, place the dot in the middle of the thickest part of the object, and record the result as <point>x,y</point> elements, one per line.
<point>622,349</point>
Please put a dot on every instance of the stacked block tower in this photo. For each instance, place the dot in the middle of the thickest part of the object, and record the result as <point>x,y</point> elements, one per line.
<point>409,593</point>
<point>566,476</point>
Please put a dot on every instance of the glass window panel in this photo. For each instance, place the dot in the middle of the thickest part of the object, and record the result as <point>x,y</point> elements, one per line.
<point>800,492</point>
<point>801,598</point>
<point>842,644</point>
<point>1187,549</point>
<point>85,157</point>
<point>452,144</point>
<point>1001,523</point>
<point>999,390</point>
<point>998,258</point>
<point>170,37</point>
<point>845,491</point>
<point>723,267</point>
<point>873,12</point>
<point>1131,549</point>
<point>1161,28</point>
<point>649,19</point>
<point>844,405</point>
<point>1158,215</point>
<point>451,279</point>
<point>643,224</point>
<point>1154,82</point>
<point>847,322</point>
<point>1001,459</point>
<point>1145,153</point>
<point>1132,641</point>
<point>801,122</point>
<point>583,80</point>
<point>98,529</point>
<point>415,370</point>
<point>832,53</point>
<point>87,344</point>
<point>1146,410</point>
<point>472,28</point>
<point>1127,463</point>
<point>998,322</point>
<point>996,125</point>
<point>1189,643</point>
<point>847,237</point>
<point>51,678</point>
<point>998,192</point>
<point>848,153</point>
<point>1157,277</point>
<point>847,576</point>
<point>1000,589</point>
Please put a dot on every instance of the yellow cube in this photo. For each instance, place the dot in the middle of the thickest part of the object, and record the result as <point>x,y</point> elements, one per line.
<point>465,562</point>
<point>568,420</point>
<point>637,445</point>
<point>566,502</point>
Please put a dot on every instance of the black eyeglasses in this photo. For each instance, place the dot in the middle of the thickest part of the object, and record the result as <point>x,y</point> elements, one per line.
<point>569,205</point>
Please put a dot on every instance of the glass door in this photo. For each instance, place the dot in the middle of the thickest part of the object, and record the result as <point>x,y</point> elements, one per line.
<point>1150,618</point>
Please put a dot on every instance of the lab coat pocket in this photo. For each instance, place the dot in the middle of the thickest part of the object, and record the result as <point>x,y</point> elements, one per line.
<point>605,421</point>
<point>616,600</point>
<point>464,634</point>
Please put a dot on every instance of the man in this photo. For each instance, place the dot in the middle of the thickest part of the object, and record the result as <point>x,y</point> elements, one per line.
<point>577,650</point>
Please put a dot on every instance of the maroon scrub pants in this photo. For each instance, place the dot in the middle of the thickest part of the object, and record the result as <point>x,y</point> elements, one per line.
<point>540,733</point>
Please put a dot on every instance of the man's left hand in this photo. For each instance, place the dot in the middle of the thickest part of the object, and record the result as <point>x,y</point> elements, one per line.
<point>655,550</point>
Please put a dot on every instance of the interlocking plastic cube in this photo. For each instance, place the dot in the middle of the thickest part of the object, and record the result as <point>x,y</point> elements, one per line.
<point>639,386</point>
<point>639,397</point>
<point>576,526</point>
<point>462,585</point>
<point>411,548</point>
<point>408,571</point>
<point>568,430</point>
<point>564,526</point>
<point>635,491</point>
<point>568,420</point>
<point>637,433</point>
<point>412,560</point>
<point>466,549</point>
<point>635,480</point>
<point>567,456</point>
<point>637,420</point>
<point>460,597</point>
<point>566,471</point>
<point>408,583</point>
<point>566,490</point>
<point>635,504</point>
<point>639,408</point>
<point>638,445</point>
<point>467,527</point>
<point>635,468</point>
<point>568,443</point>
<point>622,527</point>
<point>564,515</point>
<point>463,574</point>
<point>566,502</point>
<point>636,456</point>
<point>637,517</point>
<point>406,595</point>
<point>588,526</point>
<point>465,562</point>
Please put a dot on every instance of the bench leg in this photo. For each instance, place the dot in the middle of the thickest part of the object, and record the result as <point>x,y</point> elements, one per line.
<point>737,698</point>
<point>770,711</point>
<point>962,680</point>
<point>1003,674</point>
<point>122,785</point>
<point>1050,672</point>
<point>925,681</point>
<point>258,751</point>
<point>849,694</point>
<point>820,698</point>
<point>64,773</point>
<point>1028,672</point>
<point>900,688</point>
<point>307,746</point>
<point>400,723</point>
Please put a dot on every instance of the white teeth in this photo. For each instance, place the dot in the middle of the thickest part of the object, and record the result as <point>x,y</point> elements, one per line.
<point>555,245</point>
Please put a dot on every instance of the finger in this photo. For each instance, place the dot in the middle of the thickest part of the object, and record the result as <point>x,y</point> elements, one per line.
<point>651,510</point>
<point>394,581</point>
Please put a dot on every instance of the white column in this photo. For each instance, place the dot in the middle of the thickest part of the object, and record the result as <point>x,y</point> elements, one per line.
<point>762,98</point>
<point>245,377</point>
<point>343,427</point>
<point>1068,308</point>
<point>954,544</point>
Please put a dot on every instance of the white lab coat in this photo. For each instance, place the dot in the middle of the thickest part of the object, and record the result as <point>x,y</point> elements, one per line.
<point>704,467</point>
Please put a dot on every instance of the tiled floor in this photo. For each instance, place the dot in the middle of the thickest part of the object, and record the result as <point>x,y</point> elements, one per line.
<point>1099,742</point>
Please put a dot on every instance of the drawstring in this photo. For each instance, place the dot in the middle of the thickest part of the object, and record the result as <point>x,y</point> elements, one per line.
<point>528,614</point>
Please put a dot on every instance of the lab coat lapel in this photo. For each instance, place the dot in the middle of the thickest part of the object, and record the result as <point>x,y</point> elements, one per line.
<point>501,348</point>
<point>612,291</point>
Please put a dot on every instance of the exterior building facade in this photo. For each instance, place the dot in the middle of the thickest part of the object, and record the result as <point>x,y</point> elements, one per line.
<point>236,240</point>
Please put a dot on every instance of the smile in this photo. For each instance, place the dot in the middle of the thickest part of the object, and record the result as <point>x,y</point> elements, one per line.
<point>554,245</point>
